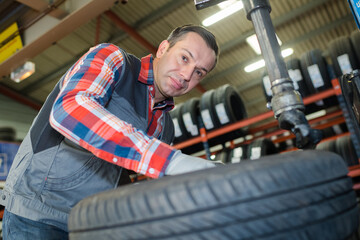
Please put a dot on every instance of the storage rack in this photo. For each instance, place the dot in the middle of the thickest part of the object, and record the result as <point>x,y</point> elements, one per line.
<point>332,118</point>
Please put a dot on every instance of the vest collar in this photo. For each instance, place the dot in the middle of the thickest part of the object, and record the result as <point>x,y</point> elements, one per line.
<point>146,76</point>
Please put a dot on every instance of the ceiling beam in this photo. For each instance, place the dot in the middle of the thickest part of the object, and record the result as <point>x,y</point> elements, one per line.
<point>141,23</point>
<point>276,22</point>
<point>12,15</point>
<point>6,91</point>
<point>86,11</point>
<point>240,66</point>
<point>41,6</point>
<point>130,31</point>
<point>162,11</point>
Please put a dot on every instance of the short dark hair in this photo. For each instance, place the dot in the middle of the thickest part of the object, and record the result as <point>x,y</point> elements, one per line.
<point>179,33</point>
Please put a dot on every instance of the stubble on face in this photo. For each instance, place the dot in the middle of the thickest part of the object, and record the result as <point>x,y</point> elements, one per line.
<point>170,79</point>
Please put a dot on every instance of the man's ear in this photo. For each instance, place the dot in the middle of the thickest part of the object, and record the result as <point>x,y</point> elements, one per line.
<point>163,47</point>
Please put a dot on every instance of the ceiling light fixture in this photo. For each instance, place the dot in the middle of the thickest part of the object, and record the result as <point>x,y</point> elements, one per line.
<point>254,43</point>
<point>230,9</point>
<point>261,63</point>
<point>22,72</point>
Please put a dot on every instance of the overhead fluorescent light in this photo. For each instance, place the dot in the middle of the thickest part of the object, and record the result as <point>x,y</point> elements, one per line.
<point>261,63</point>
<point>230,9</point>
<point>287,52</point>
<point>255,66</point>
<point>254,43</point>
<point>23,72</point>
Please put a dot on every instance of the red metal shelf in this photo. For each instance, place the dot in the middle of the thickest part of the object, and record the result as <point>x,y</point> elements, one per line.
<point>250,121</point>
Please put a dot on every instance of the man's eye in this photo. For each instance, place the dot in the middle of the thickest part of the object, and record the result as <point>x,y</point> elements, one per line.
<point>199,73</point>
<point>184,59</point>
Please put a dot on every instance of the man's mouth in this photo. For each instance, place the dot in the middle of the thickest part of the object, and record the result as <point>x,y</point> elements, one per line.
<point>176,84</point>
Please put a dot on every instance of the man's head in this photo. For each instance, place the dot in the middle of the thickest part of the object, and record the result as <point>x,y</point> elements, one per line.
<point>178,34</point>
<point>183,60</point>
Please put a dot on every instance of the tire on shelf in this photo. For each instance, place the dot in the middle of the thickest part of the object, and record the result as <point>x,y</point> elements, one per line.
<point>237,154</point>
<point>261,147</point>
<point>190,114</point>
<point>207,111</point>
<point>327,132</point>
<point>328,145</point>
<point>222,155</point>
<point>345,148</point>
<point>229,108</point>
<point>247,199</point>
<point>342,55</point>
<point>349,90</point>
<point>266,86</point>
<point>316,75</point>
<point>180,130</point>
<point>296,74</point>
<point>355,39</point>
<point>7,134</point>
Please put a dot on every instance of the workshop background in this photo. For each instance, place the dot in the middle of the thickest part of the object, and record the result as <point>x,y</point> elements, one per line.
<point>55,33</point>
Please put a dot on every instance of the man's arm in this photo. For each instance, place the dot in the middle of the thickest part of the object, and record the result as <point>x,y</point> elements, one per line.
<point>79,114</point>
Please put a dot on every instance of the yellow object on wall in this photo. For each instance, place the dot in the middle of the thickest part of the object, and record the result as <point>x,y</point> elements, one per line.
<point>10,42</point>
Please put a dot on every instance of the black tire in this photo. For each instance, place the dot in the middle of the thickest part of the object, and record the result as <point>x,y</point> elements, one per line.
<point>222,155</point>
<point>339,128</point>
<point>261,147</point>
<point>355,39</point>
<point>207,111</point>
<point>266,86</point>
<point>343,56</point>
<point>233,106</point>
<point>316,75</point>
<point>190,113</point>
<point>314,84</point>
<point>229,108</point>
<point>180,130</point>
<point>328,145</point>
<point>345,148</point>
<point>237,154</point>
<point>349,91</point>
<point>7,134</point>
<point>298,195</point>
<point>327,132</point>
<point>295,72</point>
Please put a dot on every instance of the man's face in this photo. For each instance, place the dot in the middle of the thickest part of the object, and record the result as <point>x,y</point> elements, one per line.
<point>180,68</point>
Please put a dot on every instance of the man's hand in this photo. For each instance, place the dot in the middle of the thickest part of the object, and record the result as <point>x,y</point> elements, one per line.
<point>182,163</point>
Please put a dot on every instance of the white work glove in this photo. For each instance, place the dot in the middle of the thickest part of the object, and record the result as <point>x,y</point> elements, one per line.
<point>182,163</point>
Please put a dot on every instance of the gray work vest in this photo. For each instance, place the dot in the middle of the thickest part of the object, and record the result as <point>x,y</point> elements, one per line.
<point>50,175</point>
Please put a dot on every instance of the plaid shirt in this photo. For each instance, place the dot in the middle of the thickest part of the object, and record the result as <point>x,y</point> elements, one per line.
<point>79,113</point>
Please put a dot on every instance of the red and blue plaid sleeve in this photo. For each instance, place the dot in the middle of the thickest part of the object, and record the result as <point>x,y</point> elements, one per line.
<point>79,114</point>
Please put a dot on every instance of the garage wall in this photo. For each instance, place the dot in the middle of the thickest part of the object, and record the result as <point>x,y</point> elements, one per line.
<point>16,115</point>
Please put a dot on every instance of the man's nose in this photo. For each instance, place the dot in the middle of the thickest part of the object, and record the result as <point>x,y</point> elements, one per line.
<point>187,72</point>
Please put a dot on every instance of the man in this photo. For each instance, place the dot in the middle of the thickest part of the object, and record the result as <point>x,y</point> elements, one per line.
<point>108,112</point>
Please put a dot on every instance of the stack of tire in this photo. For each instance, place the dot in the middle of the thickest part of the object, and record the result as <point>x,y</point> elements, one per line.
<point>334,130</point>
<point>215,109</point>
<point>317,76</point>
<point>343,55</point>
<point>297,76</point>
<point>312,74</point>
<point>256,149</point>
<point>343,146</point>
<point>185,117</point>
